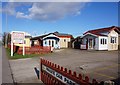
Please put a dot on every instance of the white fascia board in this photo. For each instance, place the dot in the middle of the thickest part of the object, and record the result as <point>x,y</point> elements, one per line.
<point>49,35</point>
<point>89,34</point>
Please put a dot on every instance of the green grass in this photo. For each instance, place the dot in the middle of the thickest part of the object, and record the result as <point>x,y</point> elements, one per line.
<point>18,56</point>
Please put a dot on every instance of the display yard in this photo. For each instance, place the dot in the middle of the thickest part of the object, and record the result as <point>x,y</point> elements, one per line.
<point>100,65</point>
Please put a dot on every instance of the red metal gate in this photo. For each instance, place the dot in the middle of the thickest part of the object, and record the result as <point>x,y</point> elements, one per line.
<point>53,74</point>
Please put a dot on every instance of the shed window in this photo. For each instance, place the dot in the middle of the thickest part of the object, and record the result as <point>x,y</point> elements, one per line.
<point>49,42</point>
<point>45,42</point>
<point>56,42</point>
<point>113,39</point>
<point>64,40</point>
<point>103,41</point>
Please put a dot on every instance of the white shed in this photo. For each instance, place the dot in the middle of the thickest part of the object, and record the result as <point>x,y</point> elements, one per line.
<point>102,39</point>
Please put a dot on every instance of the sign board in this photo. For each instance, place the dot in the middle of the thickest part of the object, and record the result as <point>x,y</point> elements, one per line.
<point>58,76</point>
<point>17,37</point>
<point>83,47</point>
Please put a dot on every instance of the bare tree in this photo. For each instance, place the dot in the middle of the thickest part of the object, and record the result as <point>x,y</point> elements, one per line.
<point>6,38</point>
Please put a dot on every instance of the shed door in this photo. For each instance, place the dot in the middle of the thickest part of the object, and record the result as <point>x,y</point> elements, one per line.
<point>90,44</point>
<point>52,43</point>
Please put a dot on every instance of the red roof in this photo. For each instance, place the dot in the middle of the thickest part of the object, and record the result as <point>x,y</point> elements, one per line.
<point>62,35</point>
<point>99,32</point>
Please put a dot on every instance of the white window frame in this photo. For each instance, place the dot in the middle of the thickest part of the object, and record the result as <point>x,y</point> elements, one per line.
<point>103,41</point>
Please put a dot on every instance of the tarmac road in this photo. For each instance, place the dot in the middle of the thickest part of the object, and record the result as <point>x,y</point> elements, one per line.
<point>101,65</point>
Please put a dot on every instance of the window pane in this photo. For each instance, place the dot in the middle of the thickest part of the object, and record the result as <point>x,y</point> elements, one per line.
<point>101,41</point>
<point>45,42</point>
<point>64,40</point>
<point>49,42</point>
<point>115,39</point>
<point>105,41</point>
<point>56,41</point>
<point>111,39</point>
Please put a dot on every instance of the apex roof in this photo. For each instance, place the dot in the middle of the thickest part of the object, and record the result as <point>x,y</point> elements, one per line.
<point>55,33</point>
<point>99,32</point>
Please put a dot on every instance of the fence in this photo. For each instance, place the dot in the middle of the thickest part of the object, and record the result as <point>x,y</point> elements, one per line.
<point>14,47</point>
<point>32,50</point>
<point>35,50</point>
<point>53,74</point>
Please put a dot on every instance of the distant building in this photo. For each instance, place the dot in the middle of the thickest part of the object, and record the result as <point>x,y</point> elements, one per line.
<point>76,43</point>
<point>102,39</point>
<point>55,40</point>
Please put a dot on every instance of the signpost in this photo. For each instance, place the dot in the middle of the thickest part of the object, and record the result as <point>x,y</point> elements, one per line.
<point>52,73</point>
<point>17,37</point>
<point>59,76</point>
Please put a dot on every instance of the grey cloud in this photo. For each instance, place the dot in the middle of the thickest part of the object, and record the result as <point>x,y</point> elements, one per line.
<point>10,7</point>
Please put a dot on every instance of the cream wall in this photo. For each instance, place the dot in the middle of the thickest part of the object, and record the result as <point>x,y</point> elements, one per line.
<point>64,44</point>
<point>112,46</point>
<point>27,43</point>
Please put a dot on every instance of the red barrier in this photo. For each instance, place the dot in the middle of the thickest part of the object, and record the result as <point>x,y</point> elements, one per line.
<point>49,71</point>
<point>32,50</point>
<point>35,50</point>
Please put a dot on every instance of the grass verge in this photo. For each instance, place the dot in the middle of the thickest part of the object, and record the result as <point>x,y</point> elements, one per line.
<point>18,56</point>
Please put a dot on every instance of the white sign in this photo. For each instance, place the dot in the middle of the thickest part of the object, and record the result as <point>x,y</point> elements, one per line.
<point>18,37</point>
<point>59,76</point>
<point>83,47</point>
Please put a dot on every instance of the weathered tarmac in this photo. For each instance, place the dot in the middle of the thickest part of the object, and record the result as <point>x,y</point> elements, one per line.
<point>101,65</point>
